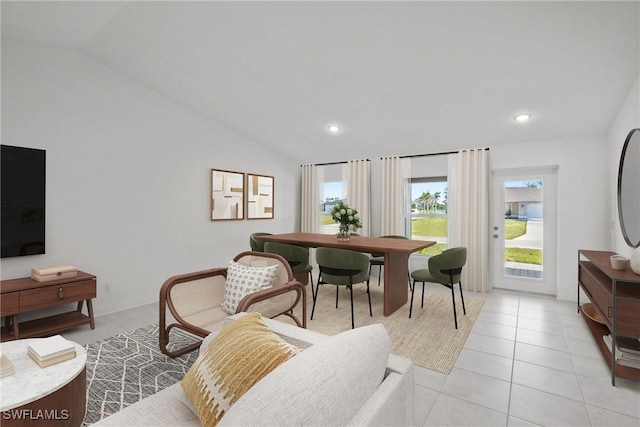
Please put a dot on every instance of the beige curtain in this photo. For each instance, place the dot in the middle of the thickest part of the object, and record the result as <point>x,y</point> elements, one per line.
<point>468,211</point>
<point>359,192</point>
<point>395,174</point>
<point>311,198</point>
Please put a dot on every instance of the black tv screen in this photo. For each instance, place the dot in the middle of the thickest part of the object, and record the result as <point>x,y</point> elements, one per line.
<point>22,194</point>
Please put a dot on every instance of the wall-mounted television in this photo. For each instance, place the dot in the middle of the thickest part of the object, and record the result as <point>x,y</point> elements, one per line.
<point>22,196</point>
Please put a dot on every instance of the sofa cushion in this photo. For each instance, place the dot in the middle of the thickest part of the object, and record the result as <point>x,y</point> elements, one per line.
<point>235,359</point>
<point>326,384</point>
<point>243,280</point>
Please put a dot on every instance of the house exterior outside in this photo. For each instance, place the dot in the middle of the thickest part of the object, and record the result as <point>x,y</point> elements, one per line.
<point>523,202</point>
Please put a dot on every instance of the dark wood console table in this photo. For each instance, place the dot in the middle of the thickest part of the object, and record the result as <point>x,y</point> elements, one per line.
<point>616,295</point>
<point>25,295</point>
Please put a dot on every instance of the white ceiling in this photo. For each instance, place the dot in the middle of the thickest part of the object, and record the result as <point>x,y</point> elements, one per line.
<point>399,77</point>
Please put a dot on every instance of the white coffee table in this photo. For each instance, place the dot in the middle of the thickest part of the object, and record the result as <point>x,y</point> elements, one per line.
<point>32,393</point>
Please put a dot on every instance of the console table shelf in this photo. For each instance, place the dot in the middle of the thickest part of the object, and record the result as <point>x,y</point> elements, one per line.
<point>616,296</point>
<point>25,295</point>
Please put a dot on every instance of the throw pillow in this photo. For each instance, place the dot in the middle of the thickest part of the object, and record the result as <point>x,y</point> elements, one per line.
<point>243,280</point>
<point>325,385</point>
<point>237,358</point>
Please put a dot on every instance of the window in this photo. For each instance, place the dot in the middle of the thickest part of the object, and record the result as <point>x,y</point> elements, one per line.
<point>429,212</point>
<point>334,189</point>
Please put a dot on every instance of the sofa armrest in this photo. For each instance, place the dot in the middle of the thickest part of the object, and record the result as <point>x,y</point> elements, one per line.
<point>393,402</point>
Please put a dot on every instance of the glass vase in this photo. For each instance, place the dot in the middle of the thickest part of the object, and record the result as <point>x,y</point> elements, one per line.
<point>343,233</point>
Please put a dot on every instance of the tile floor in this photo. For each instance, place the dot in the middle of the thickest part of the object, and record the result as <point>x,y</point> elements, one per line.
<point>529,360</point>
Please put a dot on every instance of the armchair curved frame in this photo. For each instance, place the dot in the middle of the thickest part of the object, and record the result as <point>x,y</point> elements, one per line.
<point>245,304</point>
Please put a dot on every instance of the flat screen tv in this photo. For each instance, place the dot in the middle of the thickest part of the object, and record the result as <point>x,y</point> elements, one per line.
<point>22,194</point>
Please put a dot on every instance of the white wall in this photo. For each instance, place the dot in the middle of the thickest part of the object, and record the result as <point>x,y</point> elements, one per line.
<point>128,175</point>
<point>627,118</point>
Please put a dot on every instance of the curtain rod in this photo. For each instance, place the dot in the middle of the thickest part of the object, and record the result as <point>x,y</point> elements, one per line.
<point>431,154</point>
<point>334,163</point>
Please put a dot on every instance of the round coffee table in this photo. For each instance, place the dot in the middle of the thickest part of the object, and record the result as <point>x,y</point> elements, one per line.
<point>56,393</point>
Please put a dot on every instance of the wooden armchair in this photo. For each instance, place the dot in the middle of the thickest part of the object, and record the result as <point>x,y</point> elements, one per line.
<point>195,299</point>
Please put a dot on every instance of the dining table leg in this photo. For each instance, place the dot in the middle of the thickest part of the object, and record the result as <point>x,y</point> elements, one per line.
<point>396,291</point>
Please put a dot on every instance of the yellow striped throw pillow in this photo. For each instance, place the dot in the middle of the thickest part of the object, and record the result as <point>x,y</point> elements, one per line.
<point>239,356</point>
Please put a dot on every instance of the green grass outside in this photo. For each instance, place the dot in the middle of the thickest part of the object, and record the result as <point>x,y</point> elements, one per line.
<point>528,256</point>
<point>514,228</point>
<point>425,227</point>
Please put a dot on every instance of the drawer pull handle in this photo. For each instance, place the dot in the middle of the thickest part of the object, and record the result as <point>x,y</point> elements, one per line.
<point>61,293</point>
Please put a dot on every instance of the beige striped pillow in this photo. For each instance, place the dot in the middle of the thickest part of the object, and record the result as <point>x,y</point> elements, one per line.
<point>238,357</point>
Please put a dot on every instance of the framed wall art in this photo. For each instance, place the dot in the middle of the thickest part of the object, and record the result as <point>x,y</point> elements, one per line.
<point>259,196</point>
<point>227,195</point>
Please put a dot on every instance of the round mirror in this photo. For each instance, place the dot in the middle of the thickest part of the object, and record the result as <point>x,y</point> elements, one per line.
<point>629,189</point>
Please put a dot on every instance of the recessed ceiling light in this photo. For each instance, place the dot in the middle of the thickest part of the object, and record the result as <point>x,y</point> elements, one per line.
<point>333,128</point>
<point>522,117</point>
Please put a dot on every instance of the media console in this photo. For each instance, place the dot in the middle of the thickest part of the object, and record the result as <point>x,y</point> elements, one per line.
<point>616,295</point>
<point>25,295</point>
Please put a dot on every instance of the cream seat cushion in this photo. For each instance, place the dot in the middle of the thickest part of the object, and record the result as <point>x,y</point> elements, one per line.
<point>324,385</point>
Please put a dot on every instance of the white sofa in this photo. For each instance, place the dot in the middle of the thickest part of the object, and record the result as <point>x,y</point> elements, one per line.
<point>347,379</point>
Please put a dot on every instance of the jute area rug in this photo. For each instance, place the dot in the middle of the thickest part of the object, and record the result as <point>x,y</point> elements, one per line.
<point>128,367</point>
<point>429,338</point>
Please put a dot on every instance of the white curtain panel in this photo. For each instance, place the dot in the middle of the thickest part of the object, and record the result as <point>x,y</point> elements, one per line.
<point>394,195</point>
<point>359,192</point>
<point>468,209</point>
<point>312,177</point>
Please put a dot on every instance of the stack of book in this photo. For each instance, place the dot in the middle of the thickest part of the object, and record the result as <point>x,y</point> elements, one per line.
<point>6,366</point>
<point>627,350</point>
<point>49,351</point>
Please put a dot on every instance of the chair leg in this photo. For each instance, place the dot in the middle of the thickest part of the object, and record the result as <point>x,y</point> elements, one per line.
<point>351,292</point>
<point>421,302</point>
<point>409,277</point>
<point>464,310</point>
<point>379,274</point>
<point>453,299</point>
<point>313,295</point>
<point>337,287</point>
<point>411,306</point>
<point>369,295</point>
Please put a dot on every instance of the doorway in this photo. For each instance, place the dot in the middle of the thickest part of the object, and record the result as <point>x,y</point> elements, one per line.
<point>524,230</point>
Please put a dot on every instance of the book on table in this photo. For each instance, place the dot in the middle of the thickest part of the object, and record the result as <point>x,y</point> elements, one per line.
<point>47,348</point>
<point>6,366</point>
<point>43,363</point>
<point>49,351</point>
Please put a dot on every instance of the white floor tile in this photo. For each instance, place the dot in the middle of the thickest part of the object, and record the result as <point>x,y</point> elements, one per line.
<point>480,389</point>
<point>424,398</point>
<point>595,367</point>
<point>494,329</point>
<point>449,411</point>
<point>492,345</point>
<point>583,347</point>
<point>539,325</point>
<point>544,357</point>
<point>547,379</point>
<point>624,398</point>
<point>497,307</point>
<point>603,418</point>
<point>503,319</point>
<point>517,422</point>
<point>428,378</point>
<point>485,364</point>
<point>546,409</point>
<point>534,313</point>
<point>555,342</point>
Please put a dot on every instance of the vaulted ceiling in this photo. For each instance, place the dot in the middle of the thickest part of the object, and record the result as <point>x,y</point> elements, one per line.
<point>398,77</point>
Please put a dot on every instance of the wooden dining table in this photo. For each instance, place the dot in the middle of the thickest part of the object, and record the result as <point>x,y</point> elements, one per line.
<point>396,258</point>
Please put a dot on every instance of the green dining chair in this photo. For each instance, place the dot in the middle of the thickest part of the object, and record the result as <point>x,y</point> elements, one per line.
<point>342,267</point>
<point>377,258</point>
<point>446,269</point>
<point>257,245</point>
<point>296,256</point>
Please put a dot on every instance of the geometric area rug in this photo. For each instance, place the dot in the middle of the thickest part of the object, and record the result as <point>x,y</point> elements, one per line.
<point>128,367</point>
